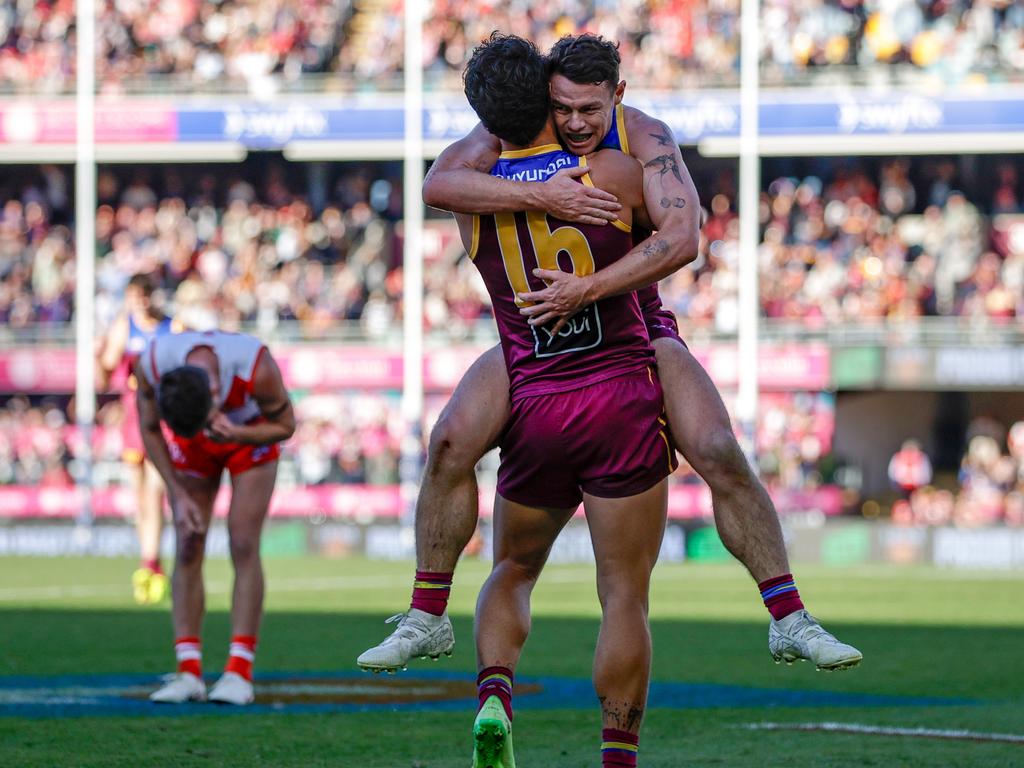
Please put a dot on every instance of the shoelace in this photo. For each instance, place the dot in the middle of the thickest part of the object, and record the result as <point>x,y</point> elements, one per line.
<point>810,629</point>
<point>407,626</point>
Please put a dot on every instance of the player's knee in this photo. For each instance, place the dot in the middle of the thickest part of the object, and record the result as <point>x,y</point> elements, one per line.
<point>448,454</point>
<point>718,455</point>
<point>244,547</point>
<point>190,548</point>
<point>624,593</point>
<point>522,569</point>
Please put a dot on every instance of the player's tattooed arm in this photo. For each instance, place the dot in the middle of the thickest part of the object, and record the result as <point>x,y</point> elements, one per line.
<point>460,181</point>
<point>670,205</point>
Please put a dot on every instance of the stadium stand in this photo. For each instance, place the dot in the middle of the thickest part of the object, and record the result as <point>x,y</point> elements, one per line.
<point>241,45</point>
<point>854,244</point>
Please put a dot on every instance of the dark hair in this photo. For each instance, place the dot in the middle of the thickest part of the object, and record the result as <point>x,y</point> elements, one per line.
<point>586,60</point>
<point>184,399</point>
<point>144,282</point>
<point>506,82</point>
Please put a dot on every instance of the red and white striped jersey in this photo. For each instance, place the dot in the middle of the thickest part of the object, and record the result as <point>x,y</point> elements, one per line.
<point>237,356</point>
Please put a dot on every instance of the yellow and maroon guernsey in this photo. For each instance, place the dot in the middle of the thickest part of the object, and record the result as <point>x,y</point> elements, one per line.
<point>605,339</point>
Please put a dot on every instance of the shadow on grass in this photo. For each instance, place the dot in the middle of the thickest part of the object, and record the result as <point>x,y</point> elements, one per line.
<point>958,662</point>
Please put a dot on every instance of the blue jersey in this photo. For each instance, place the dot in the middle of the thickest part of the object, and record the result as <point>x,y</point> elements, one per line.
<point>138,338</point>
<point>616,137</point>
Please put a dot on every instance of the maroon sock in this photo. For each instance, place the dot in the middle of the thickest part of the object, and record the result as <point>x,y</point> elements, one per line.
<point>430,591</point>
<point>495,681</point>
<point>153,565</point>
<point>619,748</point>
<point>780,596</point>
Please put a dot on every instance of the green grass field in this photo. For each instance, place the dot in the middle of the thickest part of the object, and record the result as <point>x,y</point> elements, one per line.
<point>924,633</point>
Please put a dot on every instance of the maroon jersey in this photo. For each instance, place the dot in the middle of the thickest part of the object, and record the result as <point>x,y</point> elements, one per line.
<point>605,339</point>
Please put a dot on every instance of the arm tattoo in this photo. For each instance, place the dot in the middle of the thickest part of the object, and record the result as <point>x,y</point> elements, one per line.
<point>666,164</point>
<point>663,139</point>
<point>655,248</point>
<point>675,202</point>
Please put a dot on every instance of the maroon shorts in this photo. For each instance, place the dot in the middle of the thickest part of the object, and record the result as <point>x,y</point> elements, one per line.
<point>200,456</point>
<point>607,439</point>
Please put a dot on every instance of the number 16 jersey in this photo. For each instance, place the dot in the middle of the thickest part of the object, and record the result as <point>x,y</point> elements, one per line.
<point>605,339</point>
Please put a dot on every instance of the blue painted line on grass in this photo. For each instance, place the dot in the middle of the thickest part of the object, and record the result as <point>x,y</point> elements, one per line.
<point>320,692</point>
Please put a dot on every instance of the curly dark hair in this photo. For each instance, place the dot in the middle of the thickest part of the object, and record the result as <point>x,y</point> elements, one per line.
<point>506,82</point>
<point>184,399</point>
<point>586,60</point>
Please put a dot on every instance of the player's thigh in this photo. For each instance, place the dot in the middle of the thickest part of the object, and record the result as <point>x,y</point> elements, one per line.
<point>523,534</point>
<point>478,409</point>
<point>251,492</point>
<point>692,403</point>
<point>626,533</point>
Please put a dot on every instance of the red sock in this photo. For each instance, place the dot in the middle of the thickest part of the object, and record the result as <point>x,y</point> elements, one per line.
<point>189,652</point>
<point>242,655</point>
<point>495,681</point>
<point>780,596</point>
<point>430,591</point>
<point>619,748</point>
<point>153,565</point>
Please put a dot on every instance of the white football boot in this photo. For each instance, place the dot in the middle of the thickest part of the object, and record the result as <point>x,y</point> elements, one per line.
<point>232,688</point>
<point>419,635</point>
<point>179,688</point>
<point>799,636</point>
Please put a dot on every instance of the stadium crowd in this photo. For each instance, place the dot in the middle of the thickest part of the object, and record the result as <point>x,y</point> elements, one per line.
<point>851,247</point>
<point>144,45</point>
<point>355,438</point>
<point>267,247</point>
<point>990,483</point>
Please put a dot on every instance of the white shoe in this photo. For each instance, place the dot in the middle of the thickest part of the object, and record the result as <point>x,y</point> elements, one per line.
<point>419,634</point>
<point>800,636</point>
<point>232,688</point>
<point>179,688</point>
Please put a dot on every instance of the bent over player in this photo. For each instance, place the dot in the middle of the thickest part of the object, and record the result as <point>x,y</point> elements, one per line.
<point>586,420</point>
<point>586,96</point>
<point>224,405</point>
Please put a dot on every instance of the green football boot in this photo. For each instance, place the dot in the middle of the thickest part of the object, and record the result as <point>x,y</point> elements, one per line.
<point>492,737</point>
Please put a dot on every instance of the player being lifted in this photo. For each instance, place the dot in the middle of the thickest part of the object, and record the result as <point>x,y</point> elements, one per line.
<point>225,406</point>
<point>586,420</point>
<point>586,96</point>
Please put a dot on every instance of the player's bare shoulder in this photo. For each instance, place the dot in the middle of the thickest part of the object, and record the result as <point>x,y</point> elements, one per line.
<point>648,136</point>
<point>618,173</point>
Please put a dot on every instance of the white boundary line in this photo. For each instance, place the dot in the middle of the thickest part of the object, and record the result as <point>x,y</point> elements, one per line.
<point>877,730</point>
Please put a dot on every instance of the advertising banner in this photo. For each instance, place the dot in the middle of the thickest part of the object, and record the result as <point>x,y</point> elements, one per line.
<point>336,366</point>
<point>362,503</point>
<point>692,116</point>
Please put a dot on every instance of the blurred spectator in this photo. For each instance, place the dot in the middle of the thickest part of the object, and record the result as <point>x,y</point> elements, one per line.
<point>145,45</point>
<point>910,468</point>
<point>990,487</point>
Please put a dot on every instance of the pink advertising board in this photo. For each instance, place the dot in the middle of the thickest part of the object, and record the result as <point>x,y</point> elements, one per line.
<point>327,367</point>
<point>359,503</point>
<point>53,122</point>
